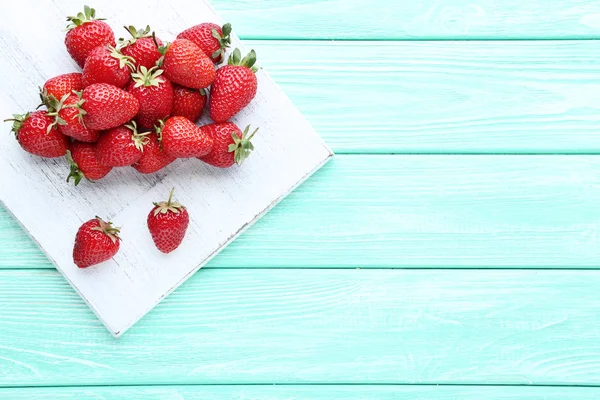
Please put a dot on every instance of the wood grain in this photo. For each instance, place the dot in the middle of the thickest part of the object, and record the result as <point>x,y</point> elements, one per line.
<point>291,392</point>
<point>222,203</point>
<point>313,326</point>
<point>424,19</point>
<point>417,211</point>
<point>444,97</point>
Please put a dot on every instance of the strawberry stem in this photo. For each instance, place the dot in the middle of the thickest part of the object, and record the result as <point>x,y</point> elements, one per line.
<point>88,15</point>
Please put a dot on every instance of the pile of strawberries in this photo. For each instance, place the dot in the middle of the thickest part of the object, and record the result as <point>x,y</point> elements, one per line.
<point>136,103</point>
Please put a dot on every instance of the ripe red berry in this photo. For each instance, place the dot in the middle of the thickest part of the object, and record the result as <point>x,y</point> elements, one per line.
<point>181,138</point>
<point>85,33</point>
<point>61,85</point>
<point>168,221</point>
<point>185,64</point>
<point>68,117</point>
<point>153,158</point>
<point>142,47</point>
<point>37,134</point>
<point>234,87</point>
<point>105,64</point>
<point>84,163</point>
<point>96,241</point>
<point>230,144</point>
<point>106,106</point>
<point>211,38</point>
<point>121,146</point>
<point>155,95</point>
<point>188,102</point>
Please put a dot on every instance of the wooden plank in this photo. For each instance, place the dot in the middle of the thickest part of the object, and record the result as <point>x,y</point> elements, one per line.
<point>406,20</point>
<point>291,392</point>
<point>313,326</point>
<point>444,97</point>
<point>387,211</point>
<point>221,203</point>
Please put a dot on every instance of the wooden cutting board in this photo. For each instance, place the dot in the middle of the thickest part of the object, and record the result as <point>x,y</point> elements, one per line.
<point>221,203</point>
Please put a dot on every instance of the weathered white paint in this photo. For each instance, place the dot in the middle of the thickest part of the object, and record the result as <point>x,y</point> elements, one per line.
<point>222,203</point>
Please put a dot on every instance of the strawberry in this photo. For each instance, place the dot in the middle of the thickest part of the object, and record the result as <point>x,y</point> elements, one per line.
<point>153,158</point>
<point>188,103</point>
<point>185,64</point>
<point>181,138</point>
<point>234,87</point>
<point>85,33</point>
<point>167,222</point>
<point>211,38</point>
<point>105,64</point>
<point>60,85</point>
<point>155,95</point>
<point>106,106</point>
<point>68,117</point>
<point>142,47</point>
<point>121,146</point>
<point>37,134</point>
<point>230,145</point>
<point>96,241</point>
<point>84,163</point>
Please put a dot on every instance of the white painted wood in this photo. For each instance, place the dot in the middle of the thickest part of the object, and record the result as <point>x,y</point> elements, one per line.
<point>221,203</point>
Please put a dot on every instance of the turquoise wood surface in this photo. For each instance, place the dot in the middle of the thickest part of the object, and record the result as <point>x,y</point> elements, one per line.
<point>478,256</point>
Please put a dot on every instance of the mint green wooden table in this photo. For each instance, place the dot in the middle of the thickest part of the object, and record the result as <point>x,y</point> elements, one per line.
<point>450,251</point>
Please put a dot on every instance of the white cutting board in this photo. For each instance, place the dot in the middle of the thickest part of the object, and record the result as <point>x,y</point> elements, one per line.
<point>221,203</point>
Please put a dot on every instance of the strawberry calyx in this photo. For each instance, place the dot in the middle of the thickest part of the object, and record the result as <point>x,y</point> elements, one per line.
<point>107,228</point>
<point>165,206</point>
<point>224,40</point>
<point>148,77</point>
<point>88,15</point>
<point>75,172</point>
<point>17,121</point>
<point>122,58</point>
<point>242,147</point>
<point>236,59</point>
<point>135,35</point>
<point>139,139</point>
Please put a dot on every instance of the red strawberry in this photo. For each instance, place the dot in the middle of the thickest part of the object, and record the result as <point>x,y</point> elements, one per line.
<point>153,158</point>
<point>185,63</point>
<point>37,134</point>
<point>106,106</point>
<point>210,38</point>
<point>234,87</point>
<point>230,144</point>
<point>168,221</point>
<point>106,64</point>
<point>68,116</point>
<point>85,33</point>
<point>181,138</point>
<point>84,163</point>
<point>96,241</point>
<point>121,146</point>
<point>142,47</point>
<point>155,95</point>
<point>188,103</point>
<point>62,84</point>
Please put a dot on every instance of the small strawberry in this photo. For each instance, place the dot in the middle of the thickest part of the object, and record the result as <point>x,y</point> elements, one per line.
<point>211,38</point>
<point>188,103</point>
<point>62,84</point>
<point>105,64</point>
<point>106,106</point>
<point>167,222</point>
<point>155,95</point>
<point>142,47</point>
<point>181,138</point>
<point>184,63</point>
<point>121,146</point>
<point>96,241</point>
<point>153,158</point>
<point>84,163</point>
<point>68,117</point>
<point>85,33</point>
<point>231,146</point>
<point>234,87</point>
<point>37,134</point>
